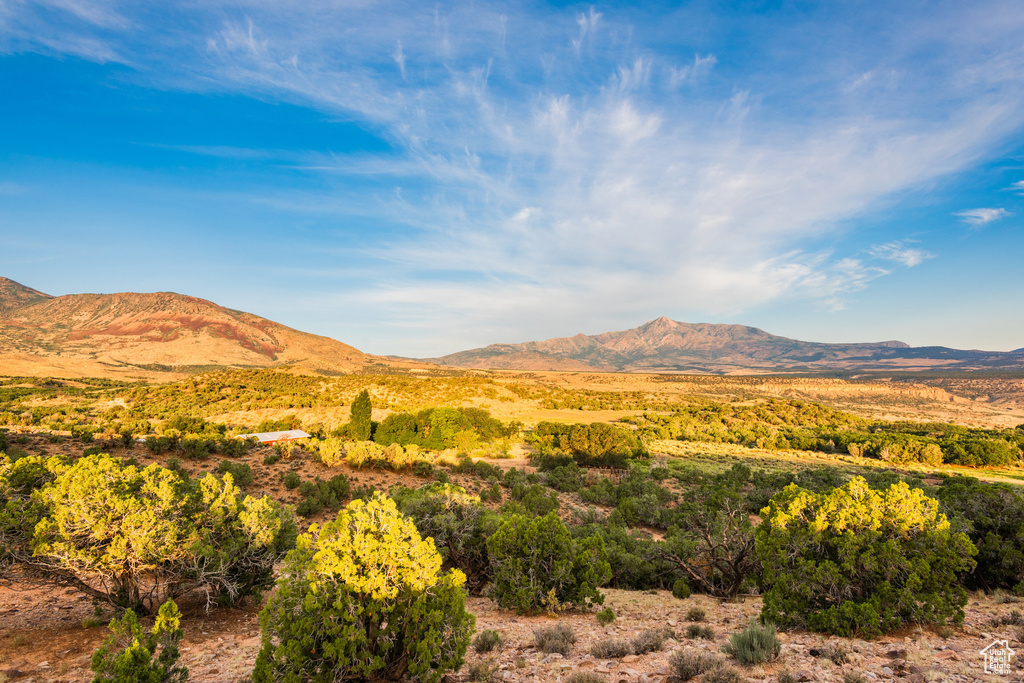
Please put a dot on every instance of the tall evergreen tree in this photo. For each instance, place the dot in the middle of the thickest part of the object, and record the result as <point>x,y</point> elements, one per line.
<point>360,425</point>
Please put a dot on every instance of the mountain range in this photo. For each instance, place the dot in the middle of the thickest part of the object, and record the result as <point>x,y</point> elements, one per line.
<point>670,346</point>
<point>136,335</point>
<point>126,333</point>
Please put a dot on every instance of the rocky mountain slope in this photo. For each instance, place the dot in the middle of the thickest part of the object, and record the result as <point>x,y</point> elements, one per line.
<point>102,334</point>
<point>666,345</point>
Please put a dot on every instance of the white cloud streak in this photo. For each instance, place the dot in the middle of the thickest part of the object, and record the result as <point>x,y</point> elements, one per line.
<point>979,218</point>
<point>556,164</point>
<point>900,251</point>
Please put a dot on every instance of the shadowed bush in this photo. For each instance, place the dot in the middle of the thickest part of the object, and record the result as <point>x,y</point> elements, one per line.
<point>695,614</point>
<point>318,496</point>
<point>457,522</point>
<point>150,658</point>
<point>681,589</point>
<point>700,632</point>
<point>486,641</point>
<point>239,471</point>
<point>535,564</point>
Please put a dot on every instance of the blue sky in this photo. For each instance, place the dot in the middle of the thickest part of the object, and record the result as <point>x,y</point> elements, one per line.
<point>417,179</point>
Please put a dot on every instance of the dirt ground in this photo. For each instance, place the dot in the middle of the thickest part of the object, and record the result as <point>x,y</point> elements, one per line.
<point>45,635</point>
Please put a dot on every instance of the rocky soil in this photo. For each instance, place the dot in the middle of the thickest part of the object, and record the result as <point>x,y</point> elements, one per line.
<point>46,635</point>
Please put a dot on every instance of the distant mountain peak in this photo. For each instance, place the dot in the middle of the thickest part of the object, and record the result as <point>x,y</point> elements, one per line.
<point>662,324</point>
<point>667,345</point>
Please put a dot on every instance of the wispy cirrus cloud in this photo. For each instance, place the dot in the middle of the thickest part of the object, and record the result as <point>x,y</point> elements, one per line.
<point>978,218</point>
<point>691,73</point>
<point>549,155</point>
<point>1018,187</point>
<point>900,251</point>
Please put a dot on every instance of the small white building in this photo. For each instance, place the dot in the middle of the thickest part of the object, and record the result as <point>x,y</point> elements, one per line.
<point>271,438</point>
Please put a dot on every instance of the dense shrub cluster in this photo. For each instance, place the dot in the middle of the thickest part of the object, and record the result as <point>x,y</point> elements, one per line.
<point>536,564</point>
<point>478,468</point>
<point>241,473</point>
<point>199,447</point>
<point>457,522</point>
<point>403,440</point>
<point>567,478</point>
<point>711,538</point>
<point>855,560</point>
<point>592,445</point>
<point>633,556</point>
<point>531,501</point>
<point>774,423</point>
<point>993,517</point>
<point>149,533</point>
<point>364,598</point>
<point>637,499</point>
<point>391,457</point>
<point>777,423</point>
<point>318,496</point>
<point>442,428</point>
